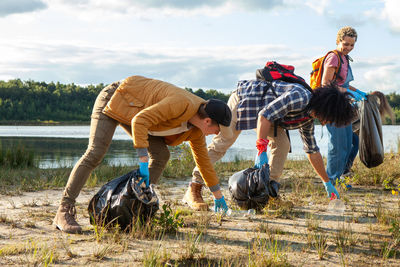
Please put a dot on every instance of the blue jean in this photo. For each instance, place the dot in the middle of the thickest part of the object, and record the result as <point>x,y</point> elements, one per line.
<point>339,149</point>
<point>353,153</point>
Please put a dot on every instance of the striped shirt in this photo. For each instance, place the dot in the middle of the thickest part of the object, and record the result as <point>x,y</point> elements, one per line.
<point>288,107</point>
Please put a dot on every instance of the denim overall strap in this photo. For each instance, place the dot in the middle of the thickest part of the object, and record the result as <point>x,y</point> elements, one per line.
<point>349,76</point>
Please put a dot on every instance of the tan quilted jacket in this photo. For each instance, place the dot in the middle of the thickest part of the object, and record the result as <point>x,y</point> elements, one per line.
<point>148,104</point>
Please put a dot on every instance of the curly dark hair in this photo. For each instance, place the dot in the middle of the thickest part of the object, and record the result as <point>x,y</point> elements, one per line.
<point>330,105</point>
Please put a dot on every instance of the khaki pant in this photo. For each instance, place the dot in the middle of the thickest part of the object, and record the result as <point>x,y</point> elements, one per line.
<point>102,129</point>
<point>279,145</point>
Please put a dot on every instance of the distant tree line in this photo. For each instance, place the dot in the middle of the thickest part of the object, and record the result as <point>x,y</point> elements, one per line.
<point>40,101</point>
<point>35,102</point>
<point>30,101</point>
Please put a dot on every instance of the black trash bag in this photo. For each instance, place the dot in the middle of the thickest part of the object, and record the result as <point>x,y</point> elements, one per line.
<point>251,188</point>
<point>123,201</point>
<point>371,143</point>
<point>355,123</point>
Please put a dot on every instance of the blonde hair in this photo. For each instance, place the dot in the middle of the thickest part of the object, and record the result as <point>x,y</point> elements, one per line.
<point>346,31</point>
<point>385,109</point>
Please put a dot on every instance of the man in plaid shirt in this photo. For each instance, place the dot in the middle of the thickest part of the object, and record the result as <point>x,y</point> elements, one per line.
<point>270,108</point>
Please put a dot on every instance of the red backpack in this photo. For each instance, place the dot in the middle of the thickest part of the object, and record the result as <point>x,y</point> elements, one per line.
<point>275,71</point>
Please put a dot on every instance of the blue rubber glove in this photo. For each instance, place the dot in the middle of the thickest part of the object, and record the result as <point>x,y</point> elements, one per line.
<point>220,205</point>
<point>331,189</point>
<point>364,95</point>
<point>358,95</point>
<point>144,173</point>
<point>260,160</point>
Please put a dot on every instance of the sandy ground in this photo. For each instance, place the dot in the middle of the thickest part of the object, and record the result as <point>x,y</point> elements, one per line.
<point>27,236</point>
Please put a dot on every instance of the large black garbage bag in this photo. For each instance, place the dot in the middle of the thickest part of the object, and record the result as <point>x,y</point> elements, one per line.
<point>371,143</point>
<point>123,201</point>
<point>251,188</point>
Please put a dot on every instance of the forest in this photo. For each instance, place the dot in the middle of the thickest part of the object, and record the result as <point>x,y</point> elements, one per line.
<point>40,102</point>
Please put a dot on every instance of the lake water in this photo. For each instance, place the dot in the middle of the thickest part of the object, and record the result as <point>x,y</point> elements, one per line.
<point>58,146</point>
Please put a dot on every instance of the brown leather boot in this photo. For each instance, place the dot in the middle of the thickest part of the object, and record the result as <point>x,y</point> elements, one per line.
<point>193,197</point>
<point>65,219</point>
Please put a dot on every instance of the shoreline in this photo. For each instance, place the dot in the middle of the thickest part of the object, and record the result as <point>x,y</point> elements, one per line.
<point>44,123</point>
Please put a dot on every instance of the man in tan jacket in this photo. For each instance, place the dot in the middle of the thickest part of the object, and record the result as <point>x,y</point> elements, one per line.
<point>155,114</point>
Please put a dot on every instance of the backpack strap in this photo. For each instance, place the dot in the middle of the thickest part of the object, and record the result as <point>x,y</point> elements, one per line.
<point>337,72</point>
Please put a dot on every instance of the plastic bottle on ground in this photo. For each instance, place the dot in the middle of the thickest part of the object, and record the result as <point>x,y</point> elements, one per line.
<point>336,205</point>
<point>251,213</point>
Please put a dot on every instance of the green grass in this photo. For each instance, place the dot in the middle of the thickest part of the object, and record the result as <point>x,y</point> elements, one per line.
<point>16,157</point>
<point>13,181</point>
<point>385,174</point>
<point>205,239</point>
<point>30,178</point>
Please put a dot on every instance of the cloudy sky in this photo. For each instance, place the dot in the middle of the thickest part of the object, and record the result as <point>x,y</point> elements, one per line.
<point>207,44</point>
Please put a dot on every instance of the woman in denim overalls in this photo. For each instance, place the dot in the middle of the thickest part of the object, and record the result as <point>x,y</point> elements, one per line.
<point>342,142</point>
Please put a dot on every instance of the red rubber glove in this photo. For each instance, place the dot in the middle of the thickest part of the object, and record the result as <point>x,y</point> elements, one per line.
<point>262,145</point>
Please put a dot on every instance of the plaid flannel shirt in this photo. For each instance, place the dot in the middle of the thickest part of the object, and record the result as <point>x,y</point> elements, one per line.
<point>289,108</point>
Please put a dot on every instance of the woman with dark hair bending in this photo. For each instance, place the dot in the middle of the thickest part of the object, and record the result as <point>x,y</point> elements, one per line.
<point>270,108</point>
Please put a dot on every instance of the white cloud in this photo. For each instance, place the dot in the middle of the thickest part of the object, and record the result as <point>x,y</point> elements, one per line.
<point>255,5</point>
<point>319,6</point>
<point>216,67</point>
<point>55,46</point>
<point>391,12</point>
<point>89,9</point>
<point>383,78</point>
<point>172,4</point>
<point>198,67</point>
<point>178,4</point>
<point>8,7</point>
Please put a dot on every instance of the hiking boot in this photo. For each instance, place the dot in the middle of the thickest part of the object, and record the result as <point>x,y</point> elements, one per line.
<point>193,197</point>
<point>65,219</point>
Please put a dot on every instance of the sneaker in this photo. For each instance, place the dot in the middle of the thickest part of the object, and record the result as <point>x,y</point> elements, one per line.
<point>65,219</point>
<point>342,182</point>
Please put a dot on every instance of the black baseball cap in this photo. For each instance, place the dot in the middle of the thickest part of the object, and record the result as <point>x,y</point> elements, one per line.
<point>219,111</point>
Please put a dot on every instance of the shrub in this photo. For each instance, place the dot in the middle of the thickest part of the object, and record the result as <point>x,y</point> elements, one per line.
<point>168,220</point>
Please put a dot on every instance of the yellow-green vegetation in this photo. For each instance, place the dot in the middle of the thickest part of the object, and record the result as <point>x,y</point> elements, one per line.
<point>167,220</point>
<point>35,253</point>
<point>16,180</point>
